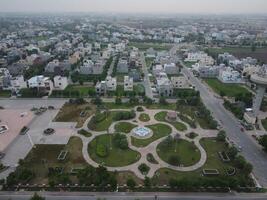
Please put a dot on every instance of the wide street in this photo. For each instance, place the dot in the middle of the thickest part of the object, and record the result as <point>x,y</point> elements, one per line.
<point>250,149</point>
<point>132,196</point>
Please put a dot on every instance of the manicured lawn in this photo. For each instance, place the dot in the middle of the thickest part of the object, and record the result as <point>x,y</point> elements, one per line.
<point>71,113</point>
<point>264,123</point>
<point>124,127</point>
<point>115,157</point>
<point>5,93</point>
<point>161,117</point>
<point>75,91</point>
<point>212,148</point>
<point>104,124</point>
<point>230,90</point>
<point>84,133</point>
<point>159,131</point>
<point>43,157</point>
<point>102,121</point>
<point>144,117</point>
<point>186,152</point>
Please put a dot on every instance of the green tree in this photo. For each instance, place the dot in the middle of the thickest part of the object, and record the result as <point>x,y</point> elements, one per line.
<point>37,197</point>
<point>131,183</point>
<point>263,142</point>
<point>162,101</point>
<point>118,101</point>
<point>232,152</point>
<point>147,182</point>
<point>221,136</point>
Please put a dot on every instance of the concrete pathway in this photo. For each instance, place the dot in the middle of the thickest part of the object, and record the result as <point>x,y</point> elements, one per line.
<point>152,147</point>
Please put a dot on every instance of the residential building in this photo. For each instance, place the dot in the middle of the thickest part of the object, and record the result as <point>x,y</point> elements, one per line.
<point>123,66</point>
<point>60,83</point>
<point>171,69</point>
<point>164,85</point>
<point>89,67</point>
<point>41,83</point>
<point>4,78</point>
<point>228,75</point>
<point>128,83</point>
<point>111,83</point>
<point>17,83</point>
<point>50,67</point>
<point>180,82</point>
<point>74,58</point>
<point>101,88</point>
<point>156,69</point>
<point>200,57</point>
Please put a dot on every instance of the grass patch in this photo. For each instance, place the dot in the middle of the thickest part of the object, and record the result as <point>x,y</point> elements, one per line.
<point>187,153</point>
<point>5,93</point>
<point>159,131</point>
<point>212,148</point>
<point>116,157</point>
<point>161,117</point>
<point>72,113</point>
<point>43,157</point>
<point>84,133</point>
<point>230,90</point>
<point>74,91</point>
<point>124,127</point>
<point>104,123</point>
<point>144,117</point>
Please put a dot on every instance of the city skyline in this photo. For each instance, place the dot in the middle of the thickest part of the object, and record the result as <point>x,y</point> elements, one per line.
<point>137,6</point>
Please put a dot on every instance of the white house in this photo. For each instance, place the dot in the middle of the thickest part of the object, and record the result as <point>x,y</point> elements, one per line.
<point>111,83</point>
<point>18,83</point>
<point>128,83</point>
<point>101,88</point>
<point>157,69</point>
<point>60,83</point>
<point>40,82</point>
<point>171,68</point>
<point>164,85</point>
<point>201,57</point>
<point>228,75</point>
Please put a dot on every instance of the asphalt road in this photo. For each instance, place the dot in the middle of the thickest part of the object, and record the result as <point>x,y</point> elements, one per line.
<point>134,196</point>
<point>251,150</point>
<point>147,83</point>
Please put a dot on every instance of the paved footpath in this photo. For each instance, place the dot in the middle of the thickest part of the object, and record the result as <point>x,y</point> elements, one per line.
<point>151,148</point>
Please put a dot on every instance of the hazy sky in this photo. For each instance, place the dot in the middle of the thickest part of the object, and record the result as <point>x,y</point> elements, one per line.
<point>165,6</point>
